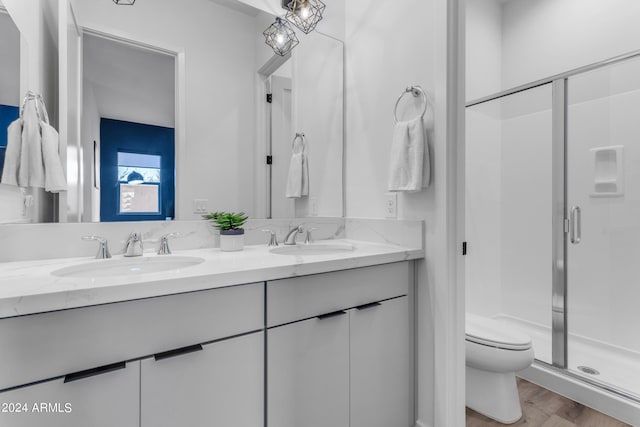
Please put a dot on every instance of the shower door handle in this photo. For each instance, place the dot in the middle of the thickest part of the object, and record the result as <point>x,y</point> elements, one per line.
<point>575,228</point>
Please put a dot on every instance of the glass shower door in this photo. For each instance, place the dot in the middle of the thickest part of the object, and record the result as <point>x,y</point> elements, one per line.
<point>603,200</point>
<point>509,174</point>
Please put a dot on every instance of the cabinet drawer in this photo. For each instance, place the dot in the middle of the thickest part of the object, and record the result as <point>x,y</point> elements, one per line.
<point>298,298</point>
<point>107,400</point>
<point>47,345</point>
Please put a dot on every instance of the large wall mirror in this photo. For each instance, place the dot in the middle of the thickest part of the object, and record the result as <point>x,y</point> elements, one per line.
<point>164,113</point>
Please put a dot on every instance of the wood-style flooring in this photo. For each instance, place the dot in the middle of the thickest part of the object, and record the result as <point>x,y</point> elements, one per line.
<point>543,408</point>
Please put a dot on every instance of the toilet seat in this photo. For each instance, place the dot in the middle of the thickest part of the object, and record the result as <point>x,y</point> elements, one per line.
<point>489,332</point>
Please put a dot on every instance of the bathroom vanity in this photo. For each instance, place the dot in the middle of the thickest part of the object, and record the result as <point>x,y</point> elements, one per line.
<point>249,339</point>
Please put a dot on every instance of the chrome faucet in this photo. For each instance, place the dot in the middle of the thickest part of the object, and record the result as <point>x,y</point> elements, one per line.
<point>273,239</point>
<point>164,243</point>
<point>103,249</point>
<point>133,245</point>
<point>291,236</point>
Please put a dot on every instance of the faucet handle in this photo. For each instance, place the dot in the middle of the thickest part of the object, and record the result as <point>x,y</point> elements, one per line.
<point>164,243</point>
<point>308,237</point>
<point>273,240</point>
<point>103,249</point>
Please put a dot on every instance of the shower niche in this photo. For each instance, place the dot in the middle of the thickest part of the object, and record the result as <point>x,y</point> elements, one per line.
<point>608,171</point>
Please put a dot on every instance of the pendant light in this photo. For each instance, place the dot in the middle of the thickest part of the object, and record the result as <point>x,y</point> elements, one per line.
<point>281,37</point>
<point>304,14</point>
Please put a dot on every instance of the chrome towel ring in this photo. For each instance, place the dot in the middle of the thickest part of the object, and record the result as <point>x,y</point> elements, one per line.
<point>415,91</point>
<point>301,137</point>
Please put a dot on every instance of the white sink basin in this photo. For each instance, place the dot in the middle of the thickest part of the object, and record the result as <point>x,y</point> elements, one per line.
<point>128,266</point>
<point>313,249</point>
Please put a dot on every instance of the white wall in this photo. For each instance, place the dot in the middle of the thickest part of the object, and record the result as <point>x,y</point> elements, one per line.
<point>218,47</point>
<point>483,48</point>
<point>130,83</point>
<point>391,45</point>
<point>10,64</point>
<point>546,37</point>
<point>91,132</point>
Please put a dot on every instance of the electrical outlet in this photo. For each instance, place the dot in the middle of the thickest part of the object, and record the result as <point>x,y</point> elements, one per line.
<point>391,205</point>
<point>200,206</point>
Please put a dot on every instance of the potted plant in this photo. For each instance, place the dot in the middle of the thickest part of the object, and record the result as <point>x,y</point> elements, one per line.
<point>230,226</point>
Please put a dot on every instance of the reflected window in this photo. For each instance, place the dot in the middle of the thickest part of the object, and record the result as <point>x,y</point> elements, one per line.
<point>139,178</point>
<point>137,171</point>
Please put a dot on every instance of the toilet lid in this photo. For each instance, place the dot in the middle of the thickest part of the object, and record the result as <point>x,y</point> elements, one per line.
<point>483,330</point>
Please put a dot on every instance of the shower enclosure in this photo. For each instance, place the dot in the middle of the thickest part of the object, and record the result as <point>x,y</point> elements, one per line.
<point>553,220</point>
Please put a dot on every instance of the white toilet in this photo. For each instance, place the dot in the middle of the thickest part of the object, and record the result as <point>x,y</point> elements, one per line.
<point>494,353</point>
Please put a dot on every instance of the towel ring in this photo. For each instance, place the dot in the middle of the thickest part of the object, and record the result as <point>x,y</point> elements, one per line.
<point>415,91</point>
<point>299,136</point>
<point>41,111</point>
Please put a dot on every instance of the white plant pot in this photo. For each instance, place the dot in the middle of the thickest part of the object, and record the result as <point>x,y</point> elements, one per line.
<point>231,240</point>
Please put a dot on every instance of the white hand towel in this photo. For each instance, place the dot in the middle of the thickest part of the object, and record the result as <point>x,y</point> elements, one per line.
<point>12,155</point>
<point>305,173</point>
<point>408,156</point>
<point>298,178</point>
<point>294,179</point>
<point>31,171</point>
<point>55,180</point>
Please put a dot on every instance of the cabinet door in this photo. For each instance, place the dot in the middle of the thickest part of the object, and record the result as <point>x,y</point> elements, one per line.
<point>308,373</point>
<point>221,385</point>
<point>110,399</point>
<point>380,365</point>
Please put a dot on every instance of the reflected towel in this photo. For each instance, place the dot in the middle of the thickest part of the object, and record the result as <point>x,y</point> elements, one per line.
<point>298,178</point>
<point>32,158</point>
<point>55,180</point>
<point>12,154</point>
<point>408,157</point>
<point>31,170</point>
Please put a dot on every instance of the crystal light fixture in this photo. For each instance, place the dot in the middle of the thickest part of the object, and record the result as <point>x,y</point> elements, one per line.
<point>304,14</point>
<point>125,2</point>
<point>281,37</point>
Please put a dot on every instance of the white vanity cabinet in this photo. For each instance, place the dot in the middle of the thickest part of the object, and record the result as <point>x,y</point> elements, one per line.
<point>380,360</point>
<point>217,384</point>
<point>338,349</point>
<point>308,373</point>
<point>108,356</point>
<point>107,398</point>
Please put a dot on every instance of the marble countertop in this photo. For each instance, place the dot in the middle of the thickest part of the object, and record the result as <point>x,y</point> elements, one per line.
<point>28,287</point>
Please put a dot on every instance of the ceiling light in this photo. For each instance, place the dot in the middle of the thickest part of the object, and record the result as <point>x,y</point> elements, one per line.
<point>304,14</point>
<point>125,2</point>
<point>281,37</point>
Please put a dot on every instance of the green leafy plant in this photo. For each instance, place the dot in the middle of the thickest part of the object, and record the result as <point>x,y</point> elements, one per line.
<point>227,220</point>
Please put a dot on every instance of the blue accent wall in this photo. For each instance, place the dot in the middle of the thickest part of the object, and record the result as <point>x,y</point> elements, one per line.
<point>120,136</point>
<point>7,115</point>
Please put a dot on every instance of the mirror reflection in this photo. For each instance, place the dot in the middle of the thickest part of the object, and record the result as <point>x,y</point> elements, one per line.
<point>9,105</point>
<point>168,117</point>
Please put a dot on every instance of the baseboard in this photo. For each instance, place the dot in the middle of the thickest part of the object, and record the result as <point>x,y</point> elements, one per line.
<point>421,424</point>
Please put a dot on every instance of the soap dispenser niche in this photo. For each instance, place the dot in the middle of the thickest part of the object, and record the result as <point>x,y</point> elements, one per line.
<point>608,173</point>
